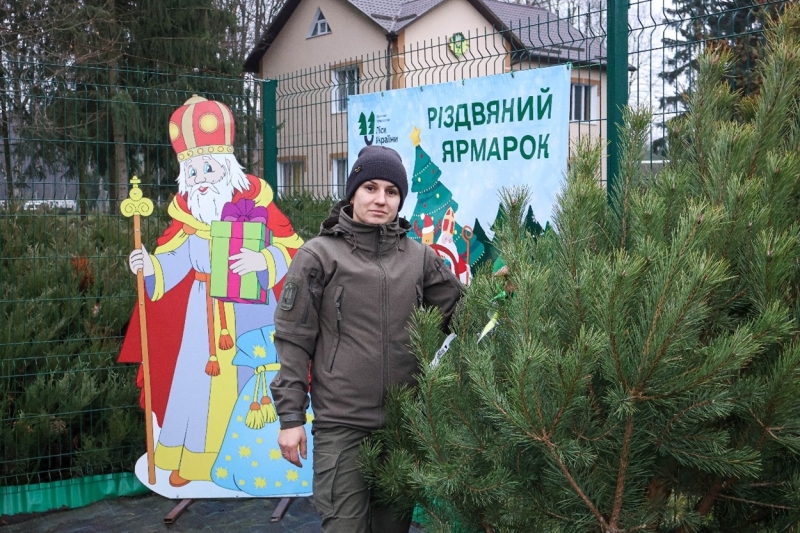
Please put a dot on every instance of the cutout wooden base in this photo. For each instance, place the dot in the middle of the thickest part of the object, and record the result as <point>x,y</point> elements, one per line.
<point>177,511</point>
<point>280,510</point>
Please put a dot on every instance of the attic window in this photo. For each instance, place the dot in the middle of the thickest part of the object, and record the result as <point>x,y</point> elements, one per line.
<point>319,26</point>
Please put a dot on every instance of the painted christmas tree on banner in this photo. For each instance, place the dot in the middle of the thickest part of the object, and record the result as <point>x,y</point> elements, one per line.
<point>434,218</point>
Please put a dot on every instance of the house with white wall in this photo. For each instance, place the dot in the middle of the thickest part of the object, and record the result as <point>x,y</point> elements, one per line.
<point>322,51</point>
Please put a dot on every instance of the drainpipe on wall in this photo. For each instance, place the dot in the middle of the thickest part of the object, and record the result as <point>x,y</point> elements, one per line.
<point>391,39</point>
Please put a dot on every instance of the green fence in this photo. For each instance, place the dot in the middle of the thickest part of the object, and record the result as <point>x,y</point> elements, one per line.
<point>312,103</point>
<point>73,135</point>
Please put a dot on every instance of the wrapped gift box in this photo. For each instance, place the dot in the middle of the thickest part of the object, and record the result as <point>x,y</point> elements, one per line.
<point>242,226</point>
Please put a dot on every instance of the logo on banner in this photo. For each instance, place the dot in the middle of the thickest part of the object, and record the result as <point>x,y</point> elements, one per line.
<point>366,127</point>
<point>375,129</point>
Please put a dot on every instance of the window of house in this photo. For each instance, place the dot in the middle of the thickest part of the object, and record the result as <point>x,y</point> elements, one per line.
<point>319,26</point>
<point>583,102</point>
<point>338,177</point>
<point>290,177</point>
<point>345,83</point>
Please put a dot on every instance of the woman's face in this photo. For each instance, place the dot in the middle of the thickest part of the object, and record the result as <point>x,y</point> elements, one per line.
<point>376,202</point>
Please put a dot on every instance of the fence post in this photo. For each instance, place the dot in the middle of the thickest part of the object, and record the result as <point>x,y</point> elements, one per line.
<point>617,97</point>
<point>270,132</point>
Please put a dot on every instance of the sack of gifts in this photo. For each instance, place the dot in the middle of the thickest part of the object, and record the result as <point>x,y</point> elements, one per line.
<point>242,225</point>
<point>249,459</point>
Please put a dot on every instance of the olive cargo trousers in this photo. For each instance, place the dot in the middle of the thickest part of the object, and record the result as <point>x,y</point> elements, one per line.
<point>341,495</point>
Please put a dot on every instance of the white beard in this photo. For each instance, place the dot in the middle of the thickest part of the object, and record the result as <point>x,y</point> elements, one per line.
<point>208,207</point>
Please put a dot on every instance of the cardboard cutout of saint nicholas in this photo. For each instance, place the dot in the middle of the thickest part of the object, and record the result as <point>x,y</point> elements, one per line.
<point>213,283</point>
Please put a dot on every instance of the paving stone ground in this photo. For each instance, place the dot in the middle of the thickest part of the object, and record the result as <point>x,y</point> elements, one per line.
<point>146,514</point>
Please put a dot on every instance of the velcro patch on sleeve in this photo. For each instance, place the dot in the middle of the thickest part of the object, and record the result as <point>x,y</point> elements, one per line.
<point>288,295</point>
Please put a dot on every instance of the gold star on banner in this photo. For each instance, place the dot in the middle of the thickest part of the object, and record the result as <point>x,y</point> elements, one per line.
<point>259,351</point>
<point>244,451</point>
<point>278,483</point>
<point>292,475</point>
<point>260,482</point>
<point>241,482</point>
<point>415,140</point>
<point>272,336</point>
<point>305,483</point>
<point>221,473</point>
<point>259,440</point>
<point>254,464</point>
<point>274,454</point>
<point>238,418</point>
<point>227,457</point>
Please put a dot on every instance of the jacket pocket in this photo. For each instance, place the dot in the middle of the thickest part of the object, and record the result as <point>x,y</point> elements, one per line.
<point>337,300</point>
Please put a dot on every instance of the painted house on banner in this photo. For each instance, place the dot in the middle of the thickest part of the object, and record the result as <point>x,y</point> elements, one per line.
<point>322,51</point>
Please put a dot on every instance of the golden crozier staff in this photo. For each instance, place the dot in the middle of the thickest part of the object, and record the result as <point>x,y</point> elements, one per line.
<point>137,206</point>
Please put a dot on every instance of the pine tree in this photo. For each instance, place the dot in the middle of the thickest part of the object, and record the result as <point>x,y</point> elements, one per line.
<point>644,373</point>
<point>130,63</point>
<point>434,199</point>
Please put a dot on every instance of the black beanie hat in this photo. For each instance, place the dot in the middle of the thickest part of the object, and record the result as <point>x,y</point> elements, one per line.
<point>378,163</point>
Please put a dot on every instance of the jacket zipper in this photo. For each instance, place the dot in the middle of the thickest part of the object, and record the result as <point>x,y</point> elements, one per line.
<point>384,321</point>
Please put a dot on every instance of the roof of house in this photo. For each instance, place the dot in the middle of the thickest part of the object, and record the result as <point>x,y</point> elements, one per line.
<point>533,32</point>
<point>544,35</point>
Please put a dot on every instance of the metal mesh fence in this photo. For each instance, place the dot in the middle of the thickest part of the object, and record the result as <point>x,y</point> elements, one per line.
<point>72,136</point>
<point>312,103</point>
<point>665,41</point>
<point>66,408</point>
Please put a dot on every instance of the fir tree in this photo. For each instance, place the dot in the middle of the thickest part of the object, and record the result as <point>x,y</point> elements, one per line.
<point>490,252</point>
<point>531,225</point>
<point>733,24</point>
<point>644,374</point>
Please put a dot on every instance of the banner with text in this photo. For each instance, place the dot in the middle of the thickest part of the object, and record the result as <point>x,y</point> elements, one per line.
<point>461,142</point>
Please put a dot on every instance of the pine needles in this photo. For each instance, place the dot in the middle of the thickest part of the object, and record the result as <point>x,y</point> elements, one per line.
<point>645,370</point>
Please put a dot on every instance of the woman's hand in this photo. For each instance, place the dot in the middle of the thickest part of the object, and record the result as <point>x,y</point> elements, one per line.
<point>291,441</point>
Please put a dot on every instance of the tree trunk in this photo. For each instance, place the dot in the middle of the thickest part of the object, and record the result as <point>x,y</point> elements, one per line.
<point>83,199</point>
<point>118,179</point>
<point>6,139</point>
<point>118,184</point>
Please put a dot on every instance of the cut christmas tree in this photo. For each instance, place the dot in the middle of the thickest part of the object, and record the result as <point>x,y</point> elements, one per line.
<point>644,373</point>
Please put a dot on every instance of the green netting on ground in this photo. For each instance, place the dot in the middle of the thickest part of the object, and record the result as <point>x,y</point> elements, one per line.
<point>70,493</point>
<point>429,523</point>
